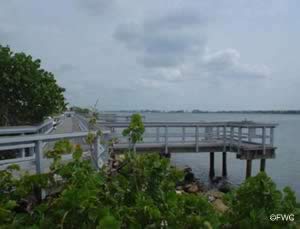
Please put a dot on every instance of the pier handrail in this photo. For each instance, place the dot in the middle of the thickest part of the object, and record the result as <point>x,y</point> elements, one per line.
<point>37,142</point>
<point>229,133</point>
<point>193,124</point>
<point>43,127</point>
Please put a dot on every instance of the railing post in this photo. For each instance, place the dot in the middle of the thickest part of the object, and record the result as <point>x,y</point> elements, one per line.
<point>166,139</point>
<point>183,134</point>
<point>157,134</point>
<point>39,156</point>
<point>231,137</point>
<point>197,139</point>
<point>264,139</point>
<point>239,139</point>
<point>250,132</point>
<point>22,151</point>
<point>218,132</point>
<point>224,138</point>
<point>271,136</point>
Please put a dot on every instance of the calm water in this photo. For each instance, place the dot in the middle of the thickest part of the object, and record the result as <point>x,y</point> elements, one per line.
<point>284,169</point>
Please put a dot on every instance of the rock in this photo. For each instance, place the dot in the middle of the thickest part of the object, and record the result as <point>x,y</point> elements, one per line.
<point>116,164</point>
<point>179,192</point>
<point>179,188</point>
<point>215,193</point>
<point>121,157</point>
<point>220,206</point>
<point>216,179</point>
<point>211,198</point>
<point>191,188</point>
<point>224,187</point>
<point>189,177</point>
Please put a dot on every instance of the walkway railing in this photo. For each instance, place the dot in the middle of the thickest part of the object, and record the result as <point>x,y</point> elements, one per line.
<point>25,151</point>
<point>37,141</point>
<point>229,133</point>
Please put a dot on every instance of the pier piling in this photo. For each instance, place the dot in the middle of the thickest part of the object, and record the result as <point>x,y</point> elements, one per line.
<point>224,164</point>
<point>248,168</point>
<point>262,165</point>
<point>211,164</point>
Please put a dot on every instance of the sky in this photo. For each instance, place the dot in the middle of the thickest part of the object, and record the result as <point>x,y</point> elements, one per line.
<point>168,55</point>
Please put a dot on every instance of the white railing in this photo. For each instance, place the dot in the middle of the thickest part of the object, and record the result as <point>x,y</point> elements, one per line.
<point>228,133</point>
<point>37,141</point>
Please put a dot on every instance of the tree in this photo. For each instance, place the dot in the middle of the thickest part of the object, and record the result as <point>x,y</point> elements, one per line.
<point>135,130</point>
<point>28,93</point>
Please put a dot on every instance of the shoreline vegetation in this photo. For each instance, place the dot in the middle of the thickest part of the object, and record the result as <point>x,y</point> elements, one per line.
<point>135,191</point>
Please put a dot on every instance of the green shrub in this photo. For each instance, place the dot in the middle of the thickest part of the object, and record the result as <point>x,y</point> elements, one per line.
<point>256,199</point>
<point>139,194</point>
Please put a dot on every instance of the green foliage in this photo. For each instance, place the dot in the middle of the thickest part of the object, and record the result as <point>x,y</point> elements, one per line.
<point>28,93</point>
<point>135,130</point>
<point>140,195</point>
<point>256,199</point>
<point>83,111</point>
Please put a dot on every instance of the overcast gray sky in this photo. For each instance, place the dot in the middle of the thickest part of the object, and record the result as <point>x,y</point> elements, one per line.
<point>171,54</point>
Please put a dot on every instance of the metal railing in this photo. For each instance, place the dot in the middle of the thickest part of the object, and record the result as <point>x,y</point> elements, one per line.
<point>228,133</point>
<point>37,142</point>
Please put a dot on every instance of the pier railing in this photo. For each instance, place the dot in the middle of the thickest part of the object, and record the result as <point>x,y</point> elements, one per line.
<point>227,133</point>
<point>37,142</point>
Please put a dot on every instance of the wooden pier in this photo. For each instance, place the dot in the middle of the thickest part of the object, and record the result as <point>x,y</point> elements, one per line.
<point>248,140</point>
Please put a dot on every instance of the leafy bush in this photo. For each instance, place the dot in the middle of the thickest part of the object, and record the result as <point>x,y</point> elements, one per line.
<point>135,129</point>
<point>256,199</point>
<point>139,193</point>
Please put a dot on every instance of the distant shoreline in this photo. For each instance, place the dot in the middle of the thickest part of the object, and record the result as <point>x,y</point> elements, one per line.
<point>296,112</point>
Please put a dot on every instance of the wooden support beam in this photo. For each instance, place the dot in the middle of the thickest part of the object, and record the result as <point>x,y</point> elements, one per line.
<point>262,165</point>
<point>248,168</point>
<point>211,164</point>
<point>224,164</point>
